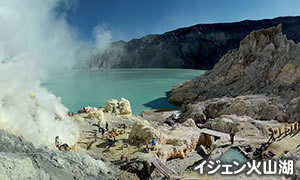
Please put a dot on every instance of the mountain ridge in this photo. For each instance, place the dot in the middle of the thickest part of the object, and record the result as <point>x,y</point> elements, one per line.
<point>196,47</point>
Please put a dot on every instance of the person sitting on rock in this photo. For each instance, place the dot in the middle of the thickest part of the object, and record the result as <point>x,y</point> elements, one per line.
<point>64,146</point>
<point>109,141</point>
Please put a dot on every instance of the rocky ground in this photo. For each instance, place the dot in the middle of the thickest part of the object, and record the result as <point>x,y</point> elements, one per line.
<point>20,159</point>
<point>180,146</point>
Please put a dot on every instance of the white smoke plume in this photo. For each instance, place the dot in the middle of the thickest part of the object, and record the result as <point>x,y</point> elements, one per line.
<point>103,43</point>
<point>103,39</point>
<point>33,41</point>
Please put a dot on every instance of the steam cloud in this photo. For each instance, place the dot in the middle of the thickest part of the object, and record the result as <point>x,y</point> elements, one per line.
<point>102,39</point>
<point>33,41</point>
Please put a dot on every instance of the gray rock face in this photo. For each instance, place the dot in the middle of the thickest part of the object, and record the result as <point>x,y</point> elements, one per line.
<point>140,167</point>
<point>198,47</point>
<point>255,106</point>
<point>12,167</point>
<point>265,63</point>
<point>19,159</point>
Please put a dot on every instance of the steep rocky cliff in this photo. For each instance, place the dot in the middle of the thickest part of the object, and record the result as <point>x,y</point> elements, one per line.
<point>198,47</point>
<point>266,63</point>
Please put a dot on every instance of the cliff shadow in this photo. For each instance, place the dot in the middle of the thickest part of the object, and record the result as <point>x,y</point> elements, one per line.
<point>160,103</point>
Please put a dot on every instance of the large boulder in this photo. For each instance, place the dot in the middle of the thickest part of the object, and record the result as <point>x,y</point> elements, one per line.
<point>141,132</point>
<point>116,107</point>
<point>98,115</point>
<point>124,106</point>
<point>189,123</point>
<point>171,152</point>
<point>175,142</point>
<point>223,124</point>
<point>111,106</point>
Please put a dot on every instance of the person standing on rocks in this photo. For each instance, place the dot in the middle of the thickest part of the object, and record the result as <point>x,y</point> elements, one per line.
<point>153,143</point>
<point>102,132</point>
<point>106,125</point>
<point>99,126</point>
<point>232,137</point>
<point>272,138</point>
<point>95,135</point>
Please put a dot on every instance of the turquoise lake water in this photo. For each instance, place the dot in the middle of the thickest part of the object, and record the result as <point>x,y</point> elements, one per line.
<point>144,88</point>
<point>233,154</point>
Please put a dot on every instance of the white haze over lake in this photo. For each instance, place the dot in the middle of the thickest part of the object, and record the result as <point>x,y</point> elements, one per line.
<point>33,41</point>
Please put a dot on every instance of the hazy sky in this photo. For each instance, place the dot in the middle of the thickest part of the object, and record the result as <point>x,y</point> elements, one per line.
<point>127,19</point>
